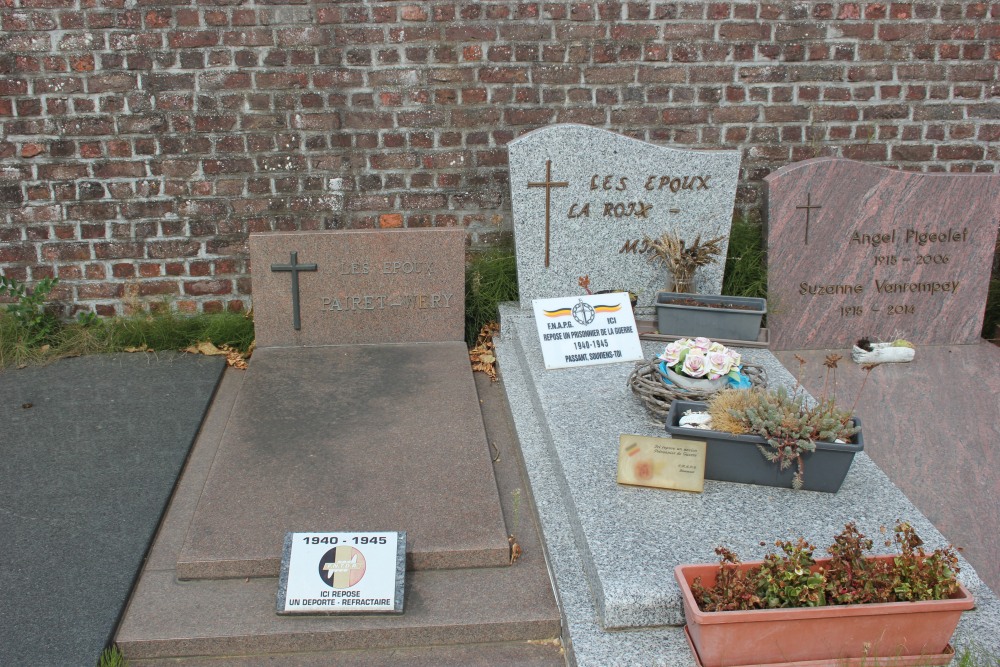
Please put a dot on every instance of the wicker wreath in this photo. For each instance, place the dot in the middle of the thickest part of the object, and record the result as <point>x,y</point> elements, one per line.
<point>647,383</point>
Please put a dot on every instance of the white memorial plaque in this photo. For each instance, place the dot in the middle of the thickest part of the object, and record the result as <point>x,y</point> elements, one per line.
<point>587,330</point>
<point>342,573</point>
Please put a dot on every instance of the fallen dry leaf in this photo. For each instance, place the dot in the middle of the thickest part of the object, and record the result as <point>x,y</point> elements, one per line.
<point>204,347</point>
<point>482,356</point>
<point>515,549</point>
<point>140,348</point>
<point>234,357</point>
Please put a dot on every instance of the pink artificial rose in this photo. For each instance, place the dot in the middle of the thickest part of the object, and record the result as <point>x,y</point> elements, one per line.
<point>702,343</point>
<point>718,364</point>
<point>695,364</point>
<point>672,354</point>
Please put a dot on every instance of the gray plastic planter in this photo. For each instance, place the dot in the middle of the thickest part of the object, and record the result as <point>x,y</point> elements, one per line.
<point>674,318</point>
<point>735,458</point>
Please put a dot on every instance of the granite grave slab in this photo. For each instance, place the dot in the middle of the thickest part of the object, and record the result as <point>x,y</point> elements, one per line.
<point>347,287</point>
<point>626,539</point>
<point>448,617</point>
<point>939,447</point>
<point>584,198</point>
<point>856,250</point>
<point>350,438</point>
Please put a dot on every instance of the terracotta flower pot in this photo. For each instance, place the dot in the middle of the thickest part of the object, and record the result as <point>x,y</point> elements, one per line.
<point>833,633</point>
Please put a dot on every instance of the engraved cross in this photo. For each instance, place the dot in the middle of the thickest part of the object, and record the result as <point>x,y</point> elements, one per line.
<point>808,207</point>
<point>294,267</point>
<point>548,185</point>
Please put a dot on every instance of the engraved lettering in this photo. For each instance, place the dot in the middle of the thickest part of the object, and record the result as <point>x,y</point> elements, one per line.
<point>828,290</point>
<point>630,247</point>
<point>931,287</point>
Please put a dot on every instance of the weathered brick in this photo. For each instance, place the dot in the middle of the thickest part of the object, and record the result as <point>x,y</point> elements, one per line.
<point>208,287</point>
<point>206,121</point>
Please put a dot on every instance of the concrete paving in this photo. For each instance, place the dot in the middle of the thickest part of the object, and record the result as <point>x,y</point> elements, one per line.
<point>89,454</point>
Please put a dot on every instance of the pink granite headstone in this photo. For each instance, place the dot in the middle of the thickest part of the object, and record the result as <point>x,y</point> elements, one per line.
<point>357,287</point>
<point>856,250</point>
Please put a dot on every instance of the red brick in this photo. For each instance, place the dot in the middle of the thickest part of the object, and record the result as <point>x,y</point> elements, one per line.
<point>207,287</point>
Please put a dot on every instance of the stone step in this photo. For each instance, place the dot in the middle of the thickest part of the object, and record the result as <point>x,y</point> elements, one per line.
<point>356,437</point>
<point>507,614</point>
<point>544,653</point>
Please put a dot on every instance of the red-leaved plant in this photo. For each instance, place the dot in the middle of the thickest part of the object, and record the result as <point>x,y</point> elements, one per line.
<point>793,578</point>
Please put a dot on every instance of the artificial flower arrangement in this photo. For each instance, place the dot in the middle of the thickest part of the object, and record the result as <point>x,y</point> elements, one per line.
<point>699,363</point>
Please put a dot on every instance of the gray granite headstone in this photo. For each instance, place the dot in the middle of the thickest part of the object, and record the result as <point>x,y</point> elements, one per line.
<point>584,198</point>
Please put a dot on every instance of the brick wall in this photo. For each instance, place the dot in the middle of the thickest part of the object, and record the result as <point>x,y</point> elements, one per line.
<point>142,140</point>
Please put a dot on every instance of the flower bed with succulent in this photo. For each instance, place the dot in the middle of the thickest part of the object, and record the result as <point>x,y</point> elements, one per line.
<point>786,429</point>
<point>794,607</point>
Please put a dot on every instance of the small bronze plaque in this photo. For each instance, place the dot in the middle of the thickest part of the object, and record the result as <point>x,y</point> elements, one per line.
<point>665,463</point>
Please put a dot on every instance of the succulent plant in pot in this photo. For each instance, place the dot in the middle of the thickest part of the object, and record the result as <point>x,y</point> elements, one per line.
<point>785,428</point>
<point>793,607</point>
<point>789,426</point>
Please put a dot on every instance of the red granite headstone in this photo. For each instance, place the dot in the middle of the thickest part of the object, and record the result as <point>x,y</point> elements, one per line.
<point>358,286</point>
<point>856,250</point>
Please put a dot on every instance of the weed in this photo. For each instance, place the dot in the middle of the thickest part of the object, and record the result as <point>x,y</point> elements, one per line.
<point>991,319</point>
<point>160,331</point>
<point>169,331</point>
<point>977,656</point>
<point>28,309</point>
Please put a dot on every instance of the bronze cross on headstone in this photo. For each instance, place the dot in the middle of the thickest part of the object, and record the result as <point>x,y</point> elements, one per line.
<point>294,267</point>
<point>808,207</point>
<point>548,185</point>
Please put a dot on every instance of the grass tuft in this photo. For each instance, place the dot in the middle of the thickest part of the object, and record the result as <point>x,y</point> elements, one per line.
<point>112,657</point>
<point>161,331</point>
<point>170,331</point>
<point>746,262</point>
<point>490,279</point>
<point>977,656</point>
